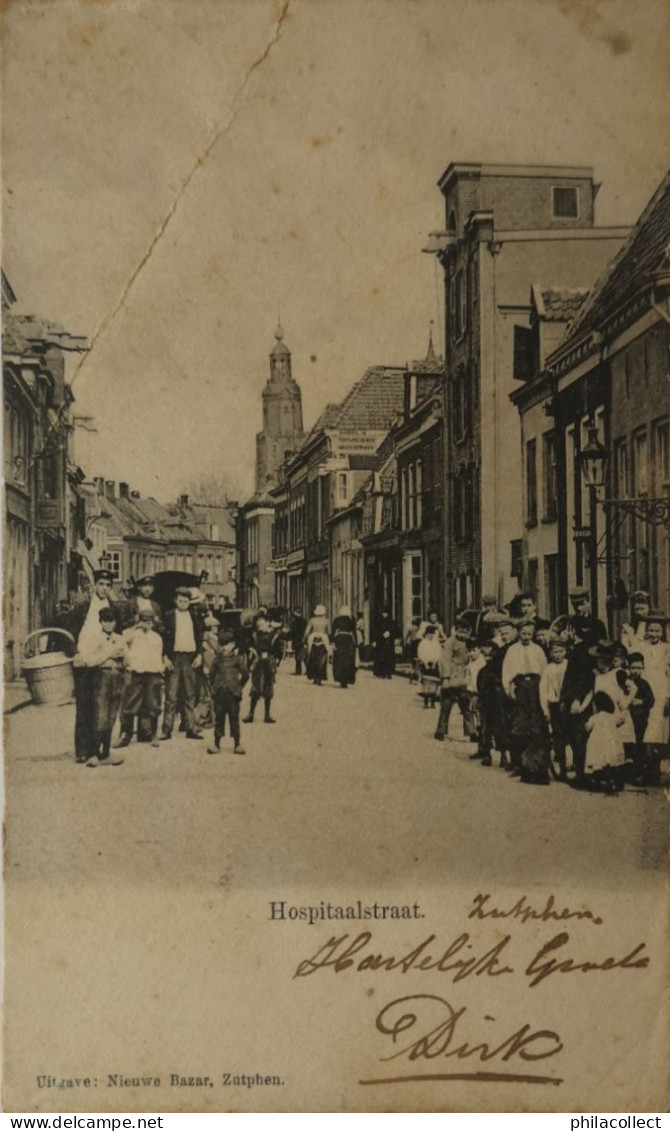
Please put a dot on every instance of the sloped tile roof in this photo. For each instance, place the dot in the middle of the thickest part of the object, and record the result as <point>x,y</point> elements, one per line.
<point>220,515</point>
<point>374,401</point>
<point>327,419</point>
<point>115,517</point>
<point>646,251</point>
<point>559,304</point>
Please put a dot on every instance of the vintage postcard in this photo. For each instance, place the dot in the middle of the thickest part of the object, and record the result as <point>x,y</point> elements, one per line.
<point>336,555</point>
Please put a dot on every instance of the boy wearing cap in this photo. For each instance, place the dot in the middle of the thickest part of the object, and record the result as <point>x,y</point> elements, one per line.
<point>103,654</point>
<point>454,672</point>
<point>84,625</point>
<point>265,649</point>
<point>227,677</point>
<point>210,649</point>
<point>142,697</point>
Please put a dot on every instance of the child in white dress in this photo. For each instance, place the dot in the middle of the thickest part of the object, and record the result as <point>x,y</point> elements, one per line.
<point>605,759</point>
<point>429,654</point>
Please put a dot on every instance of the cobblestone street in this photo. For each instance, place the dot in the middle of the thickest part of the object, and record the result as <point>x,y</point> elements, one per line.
<point>348,785</point>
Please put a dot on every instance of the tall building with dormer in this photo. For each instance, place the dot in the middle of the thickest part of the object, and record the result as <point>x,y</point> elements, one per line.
<point>282,417</point>
<point>507,226</point>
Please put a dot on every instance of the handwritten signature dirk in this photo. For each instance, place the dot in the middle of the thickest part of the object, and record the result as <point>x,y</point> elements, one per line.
<point>437,1030</point>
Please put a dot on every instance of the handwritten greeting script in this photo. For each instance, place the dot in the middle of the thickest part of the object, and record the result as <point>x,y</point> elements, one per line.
<point>427,1027</point>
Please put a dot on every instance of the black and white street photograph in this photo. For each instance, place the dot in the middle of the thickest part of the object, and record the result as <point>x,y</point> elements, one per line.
<point>336,555</point>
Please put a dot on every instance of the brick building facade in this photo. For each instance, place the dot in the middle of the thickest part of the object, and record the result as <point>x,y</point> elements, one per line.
<point>506,226</point>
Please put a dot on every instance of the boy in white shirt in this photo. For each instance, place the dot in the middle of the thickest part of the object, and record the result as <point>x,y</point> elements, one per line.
<point>553,708</point>
<point>103,651</point>
<point>145,660</point>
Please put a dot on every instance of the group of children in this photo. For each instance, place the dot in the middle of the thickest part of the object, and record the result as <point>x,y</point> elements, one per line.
<point>128,667</point>
<point>567,705</point>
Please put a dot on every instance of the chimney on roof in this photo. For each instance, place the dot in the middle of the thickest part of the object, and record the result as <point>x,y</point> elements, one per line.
<point>99,484</point>
<point>110,489</point>
<point>124,491</point>
<point>183,500</point>
<point>135,495</point>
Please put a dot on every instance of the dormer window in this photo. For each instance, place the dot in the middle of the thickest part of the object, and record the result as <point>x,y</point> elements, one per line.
<point>565,203</point>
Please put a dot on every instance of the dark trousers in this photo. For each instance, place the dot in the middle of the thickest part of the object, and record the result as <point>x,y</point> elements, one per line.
<point>226,706</point>
<point>560,737</point>
<point>142,697</point>
<point>180,692</point>
<point>577,738</point>
<point>646,760</point>
<point>203,710</point>
<point>102,740</point>
<point>473,722</point>
<point>84,692</point>
<point>253,700</point>
<point>449,697</point>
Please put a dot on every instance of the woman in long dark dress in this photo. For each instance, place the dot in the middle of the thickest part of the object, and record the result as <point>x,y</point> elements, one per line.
<point>385,639</point>
<point>317,639</point>
<point>344,647</point>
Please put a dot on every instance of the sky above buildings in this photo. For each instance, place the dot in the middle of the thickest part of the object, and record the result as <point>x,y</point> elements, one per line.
<point>174,171</point>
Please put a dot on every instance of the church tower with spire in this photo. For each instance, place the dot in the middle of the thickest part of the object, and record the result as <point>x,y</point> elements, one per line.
<point>282,417</point>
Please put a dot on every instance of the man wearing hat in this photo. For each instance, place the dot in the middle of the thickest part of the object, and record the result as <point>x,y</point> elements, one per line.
<point>182,640</point>
<point>485,626</point>
<point>528,614</point>
<point>143,599</point>
<point>582,621</point>
<point>84,625</point>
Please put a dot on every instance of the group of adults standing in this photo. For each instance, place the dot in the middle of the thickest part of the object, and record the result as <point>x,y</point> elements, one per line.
<point>316,641</point>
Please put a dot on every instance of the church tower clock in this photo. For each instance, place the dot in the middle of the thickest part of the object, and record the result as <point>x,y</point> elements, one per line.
<point>282,417</point>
